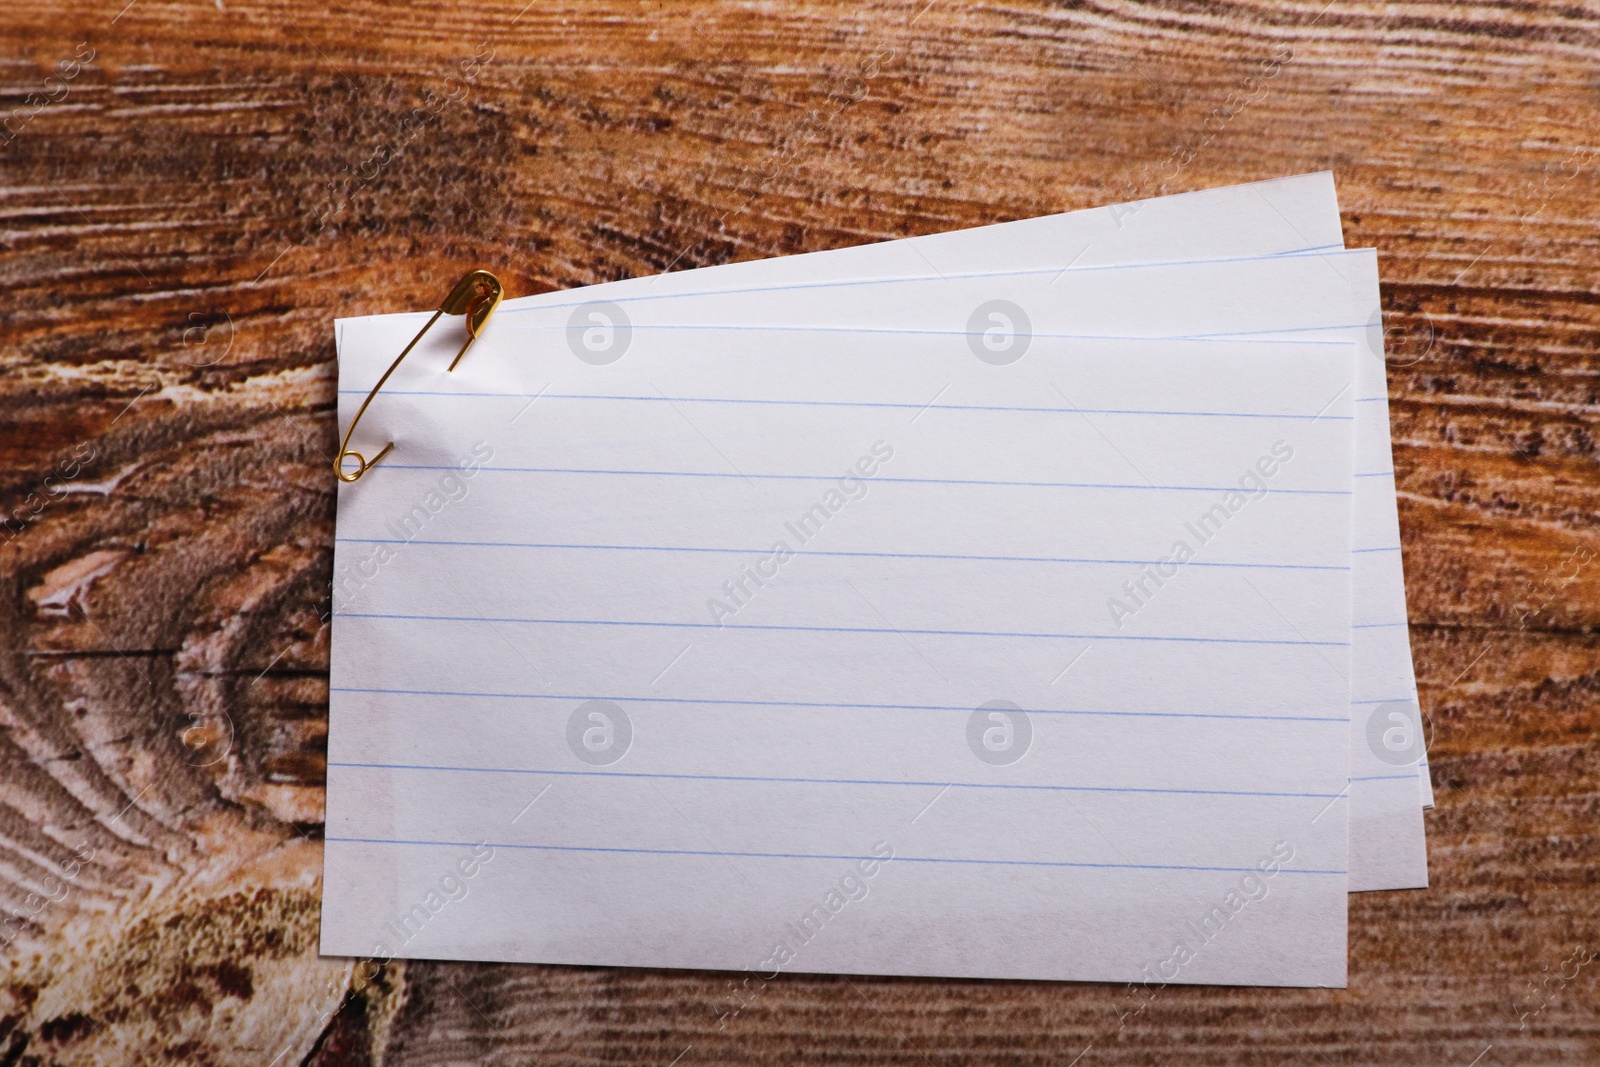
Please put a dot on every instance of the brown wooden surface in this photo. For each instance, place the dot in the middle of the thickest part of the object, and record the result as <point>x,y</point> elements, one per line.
<point>182,222</point>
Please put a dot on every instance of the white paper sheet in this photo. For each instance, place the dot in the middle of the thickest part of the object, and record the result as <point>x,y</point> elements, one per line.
<point>734,799</point>
<point>1286,215</point>
<point>1327,294</point>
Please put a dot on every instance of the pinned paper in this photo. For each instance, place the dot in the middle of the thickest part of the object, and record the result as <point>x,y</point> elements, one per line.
<point>702,632</point>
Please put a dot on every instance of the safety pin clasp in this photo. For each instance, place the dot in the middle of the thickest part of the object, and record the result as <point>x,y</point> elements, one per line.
<point>476,296</point>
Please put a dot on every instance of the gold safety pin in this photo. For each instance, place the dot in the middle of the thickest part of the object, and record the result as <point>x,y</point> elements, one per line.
<point>476,296</point>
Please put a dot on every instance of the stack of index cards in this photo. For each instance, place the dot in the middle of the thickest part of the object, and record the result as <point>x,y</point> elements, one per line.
<point>1022,602</point>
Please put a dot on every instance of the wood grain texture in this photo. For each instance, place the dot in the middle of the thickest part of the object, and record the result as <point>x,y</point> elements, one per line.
<point>185,214</point>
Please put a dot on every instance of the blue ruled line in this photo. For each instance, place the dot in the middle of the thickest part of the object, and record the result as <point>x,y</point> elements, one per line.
<point>818,856</point>
<point>1230,335</point>
<point>1342,719</point>
<point>875,479</point>
<point>829,781</point>
<point>835,629</point>
<point>820,552</point>
<point>853,404</point>
<point>854,331</point>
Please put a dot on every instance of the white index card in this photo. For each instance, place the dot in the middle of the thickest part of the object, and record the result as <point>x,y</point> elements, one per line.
<point>1291,215</point>
<point>737,652</point>
<point>1332,294</point>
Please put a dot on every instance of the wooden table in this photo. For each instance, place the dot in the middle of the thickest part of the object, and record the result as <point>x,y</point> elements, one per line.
<point>193,191</point>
